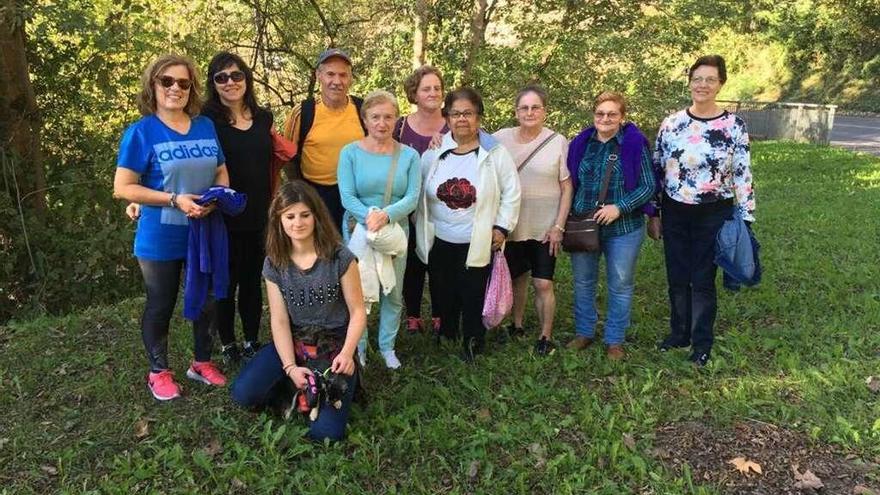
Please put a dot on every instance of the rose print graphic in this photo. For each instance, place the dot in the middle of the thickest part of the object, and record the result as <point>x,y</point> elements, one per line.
<point>457,193</point>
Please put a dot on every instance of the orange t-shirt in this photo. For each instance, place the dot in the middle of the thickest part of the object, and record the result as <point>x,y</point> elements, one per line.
<point>331,130</point>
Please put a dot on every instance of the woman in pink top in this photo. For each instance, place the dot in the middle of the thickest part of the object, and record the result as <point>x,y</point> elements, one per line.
<point>424,89</point>
<point>539,154</point>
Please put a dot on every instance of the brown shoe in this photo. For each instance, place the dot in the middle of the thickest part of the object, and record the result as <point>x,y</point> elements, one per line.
<point>580,343</point>
<point>615,352</point>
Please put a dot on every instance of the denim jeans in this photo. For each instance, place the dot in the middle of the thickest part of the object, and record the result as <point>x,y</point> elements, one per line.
<point>621,253</point>
<point>390,309</point>
<point>262,377</point>
<point>689,233</point>
<point>162,281</point>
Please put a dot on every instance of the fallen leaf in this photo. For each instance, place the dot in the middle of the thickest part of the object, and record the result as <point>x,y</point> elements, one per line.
<point>629,441</point>
<point>49,469</point>
<point>863,490</point>
<point>213,448</point>
<point>744,465</point>
<point>873,384</point>
<point>142,428</point>
<point>473,470</point>
<point>806,480</point>
<point>238,484</point>
<point>484,413</point>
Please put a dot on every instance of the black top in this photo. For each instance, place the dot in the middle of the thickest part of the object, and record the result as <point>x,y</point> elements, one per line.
<point>248,156</point>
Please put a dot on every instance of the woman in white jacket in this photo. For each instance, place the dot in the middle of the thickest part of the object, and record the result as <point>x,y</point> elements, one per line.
<point>469,203</point>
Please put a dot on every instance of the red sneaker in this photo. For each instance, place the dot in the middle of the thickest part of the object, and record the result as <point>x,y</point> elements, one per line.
<point>435,324</point>
<point>162,385</point>
<point>206,372</point>
<point>413,324</point>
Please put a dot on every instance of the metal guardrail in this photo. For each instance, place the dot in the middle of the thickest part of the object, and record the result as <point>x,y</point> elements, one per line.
<point>803,122</point>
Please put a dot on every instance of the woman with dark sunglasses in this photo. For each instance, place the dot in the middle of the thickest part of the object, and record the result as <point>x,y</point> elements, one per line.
<point>244,131</point>
<point>166,160</point>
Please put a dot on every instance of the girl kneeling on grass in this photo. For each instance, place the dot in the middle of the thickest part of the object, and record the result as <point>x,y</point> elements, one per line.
<point>315,304</point>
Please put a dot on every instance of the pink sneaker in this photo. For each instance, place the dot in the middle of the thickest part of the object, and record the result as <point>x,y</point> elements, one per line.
<point>413,324</point>
<point>162,385</point>
<point>206,372</point>
<point>435,324</point>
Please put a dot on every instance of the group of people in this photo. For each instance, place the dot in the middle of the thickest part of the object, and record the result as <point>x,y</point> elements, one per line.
<point>376,201</point>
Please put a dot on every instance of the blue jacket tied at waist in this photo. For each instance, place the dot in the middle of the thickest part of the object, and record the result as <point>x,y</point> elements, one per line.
<point>207,254</point>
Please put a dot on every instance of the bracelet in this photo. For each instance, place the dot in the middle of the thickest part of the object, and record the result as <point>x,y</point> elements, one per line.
<point>285,368</point>
<point>173,200</point>
<point>561,229</point>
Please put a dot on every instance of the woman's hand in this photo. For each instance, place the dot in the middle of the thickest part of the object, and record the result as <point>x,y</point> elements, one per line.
<point>498,238</point>
<point>187,204</point>
<point>607,214</point>
<point>300,375</point>
<point>554,238</point>
<point>133,210</point>
<point>376,219</point>
<point>343,363</point>
<point>655,228</point>
<point>436,141</point>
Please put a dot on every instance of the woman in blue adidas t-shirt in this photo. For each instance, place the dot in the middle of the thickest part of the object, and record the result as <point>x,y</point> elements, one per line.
<point>166,159</point>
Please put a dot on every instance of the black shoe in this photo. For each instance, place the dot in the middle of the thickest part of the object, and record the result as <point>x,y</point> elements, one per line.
<point>515,332</point>
<point>471,350</point>
<point>545,347</point>
<point>672,343</point>
<point>249,349</point>
<point>699,358</point>
<point>231,355</point>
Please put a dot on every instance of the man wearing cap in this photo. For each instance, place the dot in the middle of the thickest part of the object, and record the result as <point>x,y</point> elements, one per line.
<point>323,126</point>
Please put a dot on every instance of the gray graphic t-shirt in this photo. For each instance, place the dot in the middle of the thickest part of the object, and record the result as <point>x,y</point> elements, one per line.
<point>314,297</point>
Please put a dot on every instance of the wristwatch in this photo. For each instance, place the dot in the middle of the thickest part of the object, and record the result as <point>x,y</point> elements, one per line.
<point>173,200</point>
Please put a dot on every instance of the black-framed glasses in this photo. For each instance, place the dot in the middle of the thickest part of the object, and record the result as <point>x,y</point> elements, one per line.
<point>168,81</point>
<point>467,114</point>
<point>224,77</point>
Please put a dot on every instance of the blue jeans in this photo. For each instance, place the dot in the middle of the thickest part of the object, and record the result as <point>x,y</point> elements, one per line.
<point>262,377</point>
<point>621,253</point>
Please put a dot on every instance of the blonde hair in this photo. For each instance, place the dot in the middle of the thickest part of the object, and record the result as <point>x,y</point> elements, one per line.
<point>378,97</point>
<point>146,100</point>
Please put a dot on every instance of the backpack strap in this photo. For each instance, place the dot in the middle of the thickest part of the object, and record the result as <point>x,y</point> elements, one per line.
<point>358,102</point>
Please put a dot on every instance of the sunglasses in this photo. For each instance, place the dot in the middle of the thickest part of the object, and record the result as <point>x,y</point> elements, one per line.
<point>168,81</point>
<point>224,77</point>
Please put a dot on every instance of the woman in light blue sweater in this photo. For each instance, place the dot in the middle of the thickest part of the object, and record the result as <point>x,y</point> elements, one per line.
<point>363,174</point>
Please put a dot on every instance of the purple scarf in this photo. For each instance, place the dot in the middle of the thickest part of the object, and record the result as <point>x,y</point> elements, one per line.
<point>630,158</point>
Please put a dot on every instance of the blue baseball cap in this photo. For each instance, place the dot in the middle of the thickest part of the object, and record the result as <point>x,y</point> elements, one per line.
<point>333,52</point>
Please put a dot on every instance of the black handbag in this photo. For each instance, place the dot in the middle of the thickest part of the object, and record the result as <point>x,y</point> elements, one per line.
<point>581,230</point>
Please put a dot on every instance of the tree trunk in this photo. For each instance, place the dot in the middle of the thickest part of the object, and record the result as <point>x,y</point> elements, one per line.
<point>19,115</point>
<point>478,38</point>
<point>420,33</point>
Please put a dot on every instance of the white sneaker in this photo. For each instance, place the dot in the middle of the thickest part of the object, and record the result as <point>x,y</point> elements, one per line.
<point>391,360</point>
<point>362,358</point>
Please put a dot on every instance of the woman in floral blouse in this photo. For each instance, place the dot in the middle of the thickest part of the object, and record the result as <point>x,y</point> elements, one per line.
<point>702,155</point>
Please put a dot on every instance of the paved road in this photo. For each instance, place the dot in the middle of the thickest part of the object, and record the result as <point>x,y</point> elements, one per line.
<point>857,133</point>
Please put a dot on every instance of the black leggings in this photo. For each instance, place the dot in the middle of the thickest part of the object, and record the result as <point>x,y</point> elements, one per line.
<point>461,291</point>
<point>246,254</point>
<point>414,281</point>
<point>162,281</point>
<point>331,198</point>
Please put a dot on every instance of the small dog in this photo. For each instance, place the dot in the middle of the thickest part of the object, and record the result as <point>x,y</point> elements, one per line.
<point>322,386</point>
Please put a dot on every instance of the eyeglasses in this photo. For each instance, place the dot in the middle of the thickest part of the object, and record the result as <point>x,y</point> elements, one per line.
<point>467,114</point>
<point>707,80</point>
<point>168,81</point>
<point>610,115</point>
<point>527,109</point>
<point>224,77</point>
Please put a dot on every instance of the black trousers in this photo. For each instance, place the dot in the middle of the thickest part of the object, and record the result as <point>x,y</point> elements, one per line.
<point>246,255</point>
<point>331,198</point>
<point>460,290</point>
<point>689,233</point>
<point>414,281</point>
<point>162,282</point>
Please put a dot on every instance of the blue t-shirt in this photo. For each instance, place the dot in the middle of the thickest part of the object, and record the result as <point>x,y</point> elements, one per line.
<point>172,162</point>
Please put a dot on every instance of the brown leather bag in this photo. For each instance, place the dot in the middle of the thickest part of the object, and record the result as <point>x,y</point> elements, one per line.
<point>581,230</point>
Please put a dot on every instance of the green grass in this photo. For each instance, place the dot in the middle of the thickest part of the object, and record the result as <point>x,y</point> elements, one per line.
<point>794,352</point>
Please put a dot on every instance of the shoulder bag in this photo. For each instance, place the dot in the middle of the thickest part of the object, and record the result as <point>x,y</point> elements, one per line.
<point>581,230</point>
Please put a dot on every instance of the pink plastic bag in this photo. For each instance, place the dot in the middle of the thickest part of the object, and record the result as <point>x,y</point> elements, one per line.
<point>499,292</point>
